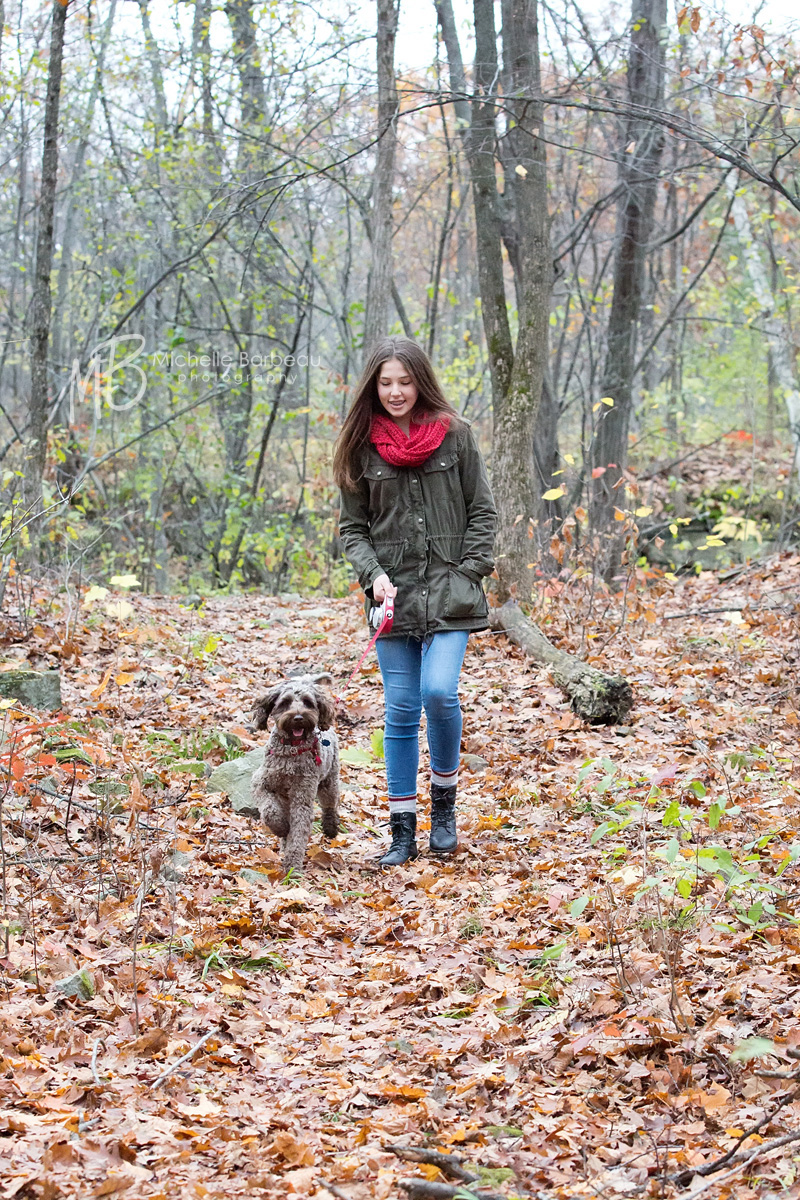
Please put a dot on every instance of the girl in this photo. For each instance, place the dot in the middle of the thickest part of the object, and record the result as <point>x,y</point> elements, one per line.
<point>417,523</point>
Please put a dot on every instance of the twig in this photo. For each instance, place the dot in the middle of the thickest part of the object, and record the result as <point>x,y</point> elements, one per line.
<point>707,612</point>
<point>685,1176</point>
<point>184,1058</point>
<point>94,1062</point>
<point>677,461</point>
<point>449,1163</point>
<point>743,1160</point>
<point>333,1189</point>
<point>424,1189</point>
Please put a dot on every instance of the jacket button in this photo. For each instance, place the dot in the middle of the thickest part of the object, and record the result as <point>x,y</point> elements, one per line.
<point>379,472</point>
<point>442,463</point>
<point>420,520</point>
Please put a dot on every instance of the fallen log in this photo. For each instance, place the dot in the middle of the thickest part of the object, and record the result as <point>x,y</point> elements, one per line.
<point>594,696</point>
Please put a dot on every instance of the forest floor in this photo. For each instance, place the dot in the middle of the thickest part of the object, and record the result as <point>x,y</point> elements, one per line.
<point>582,1002</point>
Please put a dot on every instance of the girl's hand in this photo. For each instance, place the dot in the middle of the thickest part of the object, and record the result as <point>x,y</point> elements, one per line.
<point>383,587</point>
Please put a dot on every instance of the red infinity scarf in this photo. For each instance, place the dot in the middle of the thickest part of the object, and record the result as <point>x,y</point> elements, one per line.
<point>401,451</point>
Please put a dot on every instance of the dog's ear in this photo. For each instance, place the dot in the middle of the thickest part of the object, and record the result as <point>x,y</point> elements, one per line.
<point>326,710</point>
<point>264,706</point>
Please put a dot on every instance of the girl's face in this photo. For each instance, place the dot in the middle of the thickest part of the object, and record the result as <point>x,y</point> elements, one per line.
<point>397,391</point>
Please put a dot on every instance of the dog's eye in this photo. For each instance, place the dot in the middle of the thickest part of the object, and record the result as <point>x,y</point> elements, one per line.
<point>283,702</point>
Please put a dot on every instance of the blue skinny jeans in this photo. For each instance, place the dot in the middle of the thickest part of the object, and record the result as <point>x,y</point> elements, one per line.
<point>417,673</point>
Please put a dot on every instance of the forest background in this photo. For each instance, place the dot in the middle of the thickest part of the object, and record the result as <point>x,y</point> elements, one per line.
<point>588,217</point>
<point>230,199</point>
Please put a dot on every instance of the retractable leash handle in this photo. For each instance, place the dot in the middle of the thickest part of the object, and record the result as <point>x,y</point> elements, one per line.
<point>383,618</point>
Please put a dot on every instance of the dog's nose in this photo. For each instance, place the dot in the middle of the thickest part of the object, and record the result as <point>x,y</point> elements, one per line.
<point>298,720</point>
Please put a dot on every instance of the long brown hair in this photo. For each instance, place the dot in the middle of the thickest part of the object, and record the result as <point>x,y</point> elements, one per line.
<point>354,437</point>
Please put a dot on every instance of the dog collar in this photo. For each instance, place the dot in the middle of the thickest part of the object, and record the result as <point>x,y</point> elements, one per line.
<point>286,748</point>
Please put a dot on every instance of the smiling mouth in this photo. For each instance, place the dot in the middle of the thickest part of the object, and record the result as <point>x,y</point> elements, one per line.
<point>298,735</point>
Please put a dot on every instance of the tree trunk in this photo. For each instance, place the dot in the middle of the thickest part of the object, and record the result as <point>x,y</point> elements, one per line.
<point>638,176</point>
<point>41,303</point>
<point>519,378</point>
<point>480,143</point>
<point>151,50</point>
<point>517,373</point>
<point>515,416</point>
<point>62,334</point>
<point>379,284</point>
<point>251,78</point>
<point>779,338</point>
<point>596,697</point>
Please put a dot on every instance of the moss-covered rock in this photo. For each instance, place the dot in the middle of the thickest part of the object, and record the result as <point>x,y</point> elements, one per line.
<point>234,778</point>
<point>79,986</point>
<point>33,689</point>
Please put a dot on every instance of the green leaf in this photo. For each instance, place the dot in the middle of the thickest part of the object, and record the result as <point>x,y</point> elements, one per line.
<point>354,755</point>
<point>263,962</point>
<point>673,815</point>
<point>109,787</point>
<point>750,1048</point>
<point>697,787</point>
<point>684,887</point>
<point>72,754</point>
<point>715,814</point>
<point>577,906</point>
<point>671,850</point>
<point>189,767</point>
<point>503,1131</point>
<point>584,771</point>
<point>376,741</point>
<point>602,830</point>
<point>794,854</point>
<point>492,1176</point>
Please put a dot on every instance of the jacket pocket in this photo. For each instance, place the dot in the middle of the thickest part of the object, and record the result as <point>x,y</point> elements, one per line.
<point>389,553</point>
<point>465,598</point>
<point>440,460</point>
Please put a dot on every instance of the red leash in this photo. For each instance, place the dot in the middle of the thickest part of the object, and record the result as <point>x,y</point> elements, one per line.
<point>385,618</point>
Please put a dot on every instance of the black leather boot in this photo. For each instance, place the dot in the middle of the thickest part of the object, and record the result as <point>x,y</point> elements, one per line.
<point>443,819</point>
<point>404,840</point>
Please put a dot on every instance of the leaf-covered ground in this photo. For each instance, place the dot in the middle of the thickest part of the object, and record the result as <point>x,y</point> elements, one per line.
<point>558,1004</point>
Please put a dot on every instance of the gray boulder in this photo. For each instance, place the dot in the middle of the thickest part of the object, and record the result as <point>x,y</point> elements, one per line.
<point>79,986</point>
<point>234,779</point>
<point>251,876</point>
<point>34,689</point>
<point>474,762</point>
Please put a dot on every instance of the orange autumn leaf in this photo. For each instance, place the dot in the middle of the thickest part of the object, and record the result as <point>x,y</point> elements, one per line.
<point>97,692</point>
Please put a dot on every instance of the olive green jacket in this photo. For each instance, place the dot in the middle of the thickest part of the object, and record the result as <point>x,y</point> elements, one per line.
<point>430,529</point>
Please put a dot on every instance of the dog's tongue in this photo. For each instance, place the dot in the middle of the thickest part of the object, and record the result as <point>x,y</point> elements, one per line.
<point>297,735</point>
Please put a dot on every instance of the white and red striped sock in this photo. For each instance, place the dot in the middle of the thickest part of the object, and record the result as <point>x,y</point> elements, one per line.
<point>444,778</point>
<point>402,804</point>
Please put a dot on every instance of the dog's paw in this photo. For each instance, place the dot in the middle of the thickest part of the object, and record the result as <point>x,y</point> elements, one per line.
<point>330,825</point>
<point>277,823</point>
